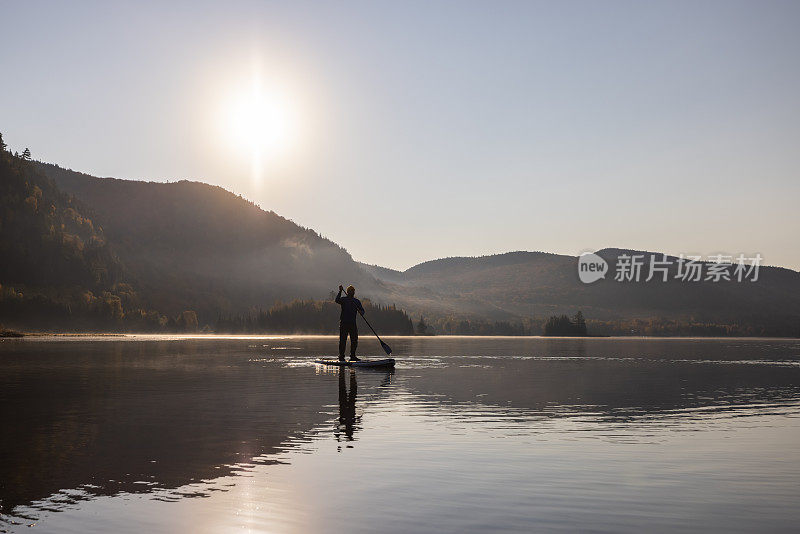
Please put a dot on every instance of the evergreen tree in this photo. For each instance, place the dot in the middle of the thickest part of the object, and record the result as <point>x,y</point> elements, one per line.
<point>422,328</point>
<point>561,325</point>
<point>580,324</point>
<point>26,154</point>
<point>2,144</point>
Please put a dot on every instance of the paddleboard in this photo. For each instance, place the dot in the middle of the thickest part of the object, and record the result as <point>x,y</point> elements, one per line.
<point>388,362</point>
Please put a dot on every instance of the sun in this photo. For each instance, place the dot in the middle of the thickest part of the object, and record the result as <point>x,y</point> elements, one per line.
<point>261,124</point>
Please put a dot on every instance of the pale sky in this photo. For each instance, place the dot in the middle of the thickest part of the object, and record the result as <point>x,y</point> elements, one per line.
<point>420,130</point>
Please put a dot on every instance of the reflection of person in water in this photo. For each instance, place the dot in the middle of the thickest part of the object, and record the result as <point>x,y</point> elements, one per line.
<point>347,406</point>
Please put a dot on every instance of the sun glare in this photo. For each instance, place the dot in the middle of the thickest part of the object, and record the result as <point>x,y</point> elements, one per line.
<point>260,124</point>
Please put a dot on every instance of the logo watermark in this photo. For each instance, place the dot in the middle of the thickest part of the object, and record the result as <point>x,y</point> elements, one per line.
<point>591,267</point>
<point>660,267</point>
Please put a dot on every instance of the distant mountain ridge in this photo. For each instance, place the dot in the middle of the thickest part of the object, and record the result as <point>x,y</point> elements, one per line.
<point>517,285</point>
<point>191,245</point>
<point>82,245</point>
<point>218,232</point>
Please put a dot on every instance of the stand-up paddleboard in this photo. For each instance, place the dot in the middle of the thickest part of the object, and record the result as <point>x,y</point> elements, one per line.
<point>388,362</point>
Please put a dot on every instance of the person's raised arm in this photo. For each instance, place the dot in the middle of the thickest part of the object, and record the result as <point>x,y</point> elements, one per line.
<point>338,298</point>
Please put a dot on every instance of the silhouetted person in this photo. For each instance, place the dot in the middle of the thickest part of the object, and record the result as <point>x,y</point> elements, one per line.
<point>347,403</point>
<point>347,321</point>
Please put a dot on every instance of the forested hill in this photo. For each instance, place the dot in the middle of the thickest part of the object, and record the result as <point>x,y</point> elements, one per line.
<point>518,285</point>
<point>190,245</point>
<point>56,265</point>
<point>87,253</point>
<point>47,239</point>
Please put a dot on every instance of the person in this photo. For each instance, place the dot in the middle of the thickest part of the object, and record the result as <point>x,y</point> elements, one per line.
<point>347,321</point>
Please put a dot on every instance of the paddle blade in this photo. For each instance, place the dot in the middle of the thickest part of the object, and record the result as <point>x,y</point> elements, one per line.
<point>386,348</point>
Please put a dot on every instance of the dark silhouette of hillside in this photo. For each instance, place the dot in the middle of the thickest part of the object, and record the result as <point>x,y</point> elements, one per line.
<point>85,253</point>
<point>517,286</point>
<point>57,268</point>
<point>189,245</point>
<point>88,253</point>
<point>46,237</point>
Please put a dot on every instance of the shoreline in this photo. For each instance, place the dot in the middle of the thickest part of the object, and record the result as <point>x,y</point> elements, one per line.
<point>184,335</point>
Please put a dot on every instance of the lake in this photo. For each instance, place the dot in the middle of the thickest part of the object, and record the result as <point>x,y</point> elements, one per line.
<point>175,434</point>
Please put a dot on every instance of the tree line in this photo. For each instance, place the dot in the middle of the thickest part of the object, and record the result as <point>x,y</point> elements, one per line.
<point>312,317</point>
<point>579,325</point>
<point>562,325</point>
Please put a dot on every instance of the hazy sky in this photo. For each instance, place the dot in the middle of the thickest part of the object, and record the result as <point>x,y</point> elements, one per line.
<point>432,129</point>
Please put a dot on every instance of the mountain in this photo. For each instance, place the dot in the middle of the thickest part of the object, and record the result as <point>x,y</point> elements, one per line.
<point>82,252</point>
<point>57,266</point>
<point>47,239</point>
<point>190,245</point>
<point>519,285</point>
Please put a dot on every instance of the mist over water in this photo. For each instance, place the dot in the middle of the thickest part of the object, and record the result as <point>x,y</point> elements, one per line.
<point>165,434</point>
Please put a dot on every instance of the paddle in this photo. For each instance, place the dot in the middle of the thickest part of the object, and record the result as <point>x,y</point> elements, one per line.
<point>386,348</point>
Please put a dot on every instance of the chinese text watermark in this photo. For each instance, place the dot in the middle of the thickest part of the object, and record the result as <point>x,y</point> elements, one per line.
<point>660,267</point>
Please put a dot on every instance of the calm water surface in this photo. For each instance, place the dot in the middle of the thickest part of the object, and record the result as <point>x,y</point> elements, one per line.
<point>158,434</point>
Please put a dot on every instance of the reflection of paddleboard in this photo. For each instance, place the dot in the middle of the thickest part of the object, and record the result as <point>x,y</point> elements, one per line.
<point>388,362</point>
